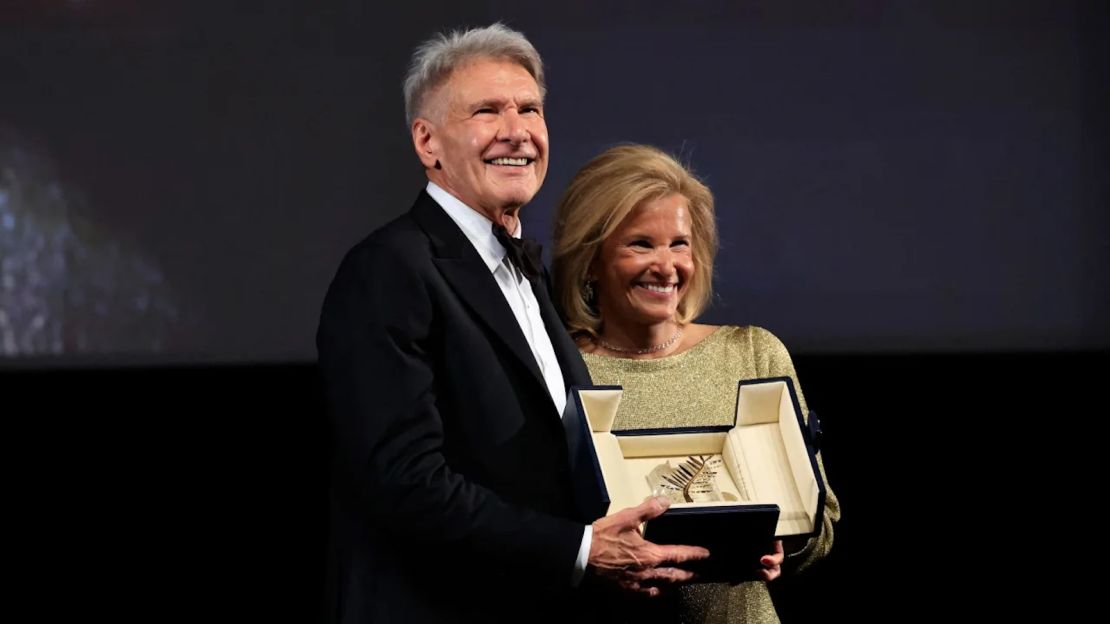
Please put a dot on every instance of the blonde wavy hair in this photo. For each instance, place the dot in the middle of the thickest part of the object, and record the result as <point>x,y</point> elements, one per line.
<point>605,191</point>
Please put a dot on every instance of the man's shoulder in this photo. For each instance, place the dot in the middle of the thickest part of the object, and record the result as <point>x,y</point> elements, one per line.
<point>393,255</point>
<point>402,229</point>
<point>400,239</point>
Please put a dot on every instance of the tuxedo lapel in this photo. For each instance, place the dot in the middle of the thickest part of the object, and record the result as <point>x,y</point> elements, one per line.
<point>470,278</point>
<point>570,361</point>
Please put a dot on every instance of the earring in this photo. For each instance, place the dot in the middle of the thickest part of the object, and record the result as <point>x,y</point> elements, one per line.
<point>588,291</point>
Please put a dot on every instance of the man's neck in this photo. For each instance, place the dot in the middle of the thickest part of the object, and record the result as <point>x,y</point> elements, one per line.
<point>510,220</point>
<point>507,217</point>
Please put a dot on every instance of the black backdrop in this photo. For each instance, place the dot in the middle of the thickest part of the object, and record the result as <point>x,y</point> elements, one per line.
<point>912,196</point>
<point>970,489</point>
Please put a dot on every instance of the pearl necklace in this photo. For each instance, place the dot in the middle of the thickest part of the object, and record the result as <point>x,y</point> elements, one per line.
<point>645,350</point>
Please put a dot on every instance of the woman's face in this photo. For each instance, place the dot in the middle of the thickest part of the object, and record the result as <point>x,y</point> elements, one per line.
<point>645,267</point>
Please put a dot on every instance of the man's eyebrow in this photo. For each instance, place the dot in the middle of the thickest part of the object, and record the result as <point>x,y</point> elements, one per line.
<point>488,103</point>
<point>499,103</point>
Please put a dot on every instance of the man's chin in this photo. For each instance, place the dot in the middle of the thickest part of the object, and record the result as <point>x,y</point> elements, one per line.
<point>516,199</point>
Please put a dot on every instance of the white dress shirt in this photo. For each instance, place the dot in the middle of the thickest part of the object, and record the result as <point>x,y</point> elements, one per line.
<point>518,294</point>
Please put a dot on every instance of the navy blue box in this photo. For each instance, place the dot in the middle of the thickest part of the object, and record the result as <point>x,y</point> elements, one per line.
<point>734,490</point>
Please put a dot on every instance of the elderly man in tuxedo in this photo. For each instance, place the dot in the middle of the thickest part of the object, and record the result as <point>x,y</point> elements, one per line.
<point>447,368</point>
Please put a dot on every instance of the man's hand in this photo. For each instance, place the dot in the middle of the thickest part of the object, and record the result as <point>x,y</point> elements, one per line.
<point>620,554</point>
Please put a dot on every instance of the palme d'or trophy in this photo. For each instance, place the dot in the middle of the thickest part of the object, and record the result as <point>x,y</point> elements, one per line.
<point>694,480</point>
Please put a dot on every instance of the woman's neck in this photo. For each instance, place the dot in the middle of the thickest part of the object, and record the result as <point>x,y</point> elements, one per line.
<point>640,341</point>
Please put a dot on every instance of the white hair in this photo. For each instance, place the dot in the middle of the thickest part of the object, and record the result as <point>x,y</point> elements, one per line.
<point>435,60</point>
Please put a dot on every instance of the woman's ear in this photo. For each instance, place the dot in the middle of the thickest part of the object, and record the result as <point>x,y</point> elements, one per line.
<point>592,269</point>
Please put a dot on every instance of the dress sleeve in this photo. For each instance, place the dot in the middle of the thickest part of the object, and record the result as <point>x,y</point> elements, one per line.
<point>773,360</point>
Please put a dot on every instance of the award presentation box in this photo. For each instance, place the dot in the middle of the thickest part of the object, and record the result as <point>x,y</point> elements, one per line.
<point>733,490</point>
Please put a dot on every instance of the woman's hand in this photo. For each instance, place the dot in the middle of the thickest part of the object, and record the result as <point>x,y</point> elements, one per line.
<point>772,563</point>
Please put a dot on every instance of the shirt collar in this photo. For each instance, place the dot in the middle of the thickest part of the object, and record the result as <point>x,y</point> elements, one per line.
<point>477,228</point>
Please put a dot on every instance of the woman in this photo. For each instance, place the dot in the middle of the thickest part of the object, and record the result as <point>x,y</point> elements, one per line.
<point>635,239</point>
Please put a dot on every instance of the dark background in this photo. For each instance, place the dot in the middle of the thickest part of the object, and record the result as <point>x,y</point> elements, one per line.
<point>890,177</point>
<point>913,196</point>
<point>970,485</point>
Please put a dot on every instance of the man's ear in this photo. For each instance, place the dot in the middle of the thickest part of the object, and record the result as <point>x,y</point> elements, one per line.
<point>425,143</point>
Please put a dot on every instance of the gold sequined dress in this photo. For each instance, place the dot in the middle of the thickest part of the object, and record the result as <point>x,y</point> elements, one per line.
<point>694,388</point>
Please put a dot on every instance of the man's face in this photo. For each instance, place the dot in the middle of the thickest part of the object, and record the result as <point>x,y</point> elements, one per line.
<point>485,126</point>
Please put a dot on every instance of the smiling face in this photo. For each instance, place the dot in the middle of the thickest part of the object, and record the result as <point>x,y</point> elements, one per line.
<point>485,127</point>
<point>644,268</point>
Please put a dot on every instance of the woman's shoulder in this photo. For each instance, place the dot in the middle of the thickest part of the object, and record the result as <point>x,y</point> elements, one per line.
<point>750,333</point>
<point>760,342</point>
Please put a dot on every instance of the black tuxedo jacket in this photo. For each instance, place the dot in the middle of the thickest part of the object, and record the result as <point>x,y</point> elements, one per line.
<point>450,492</point>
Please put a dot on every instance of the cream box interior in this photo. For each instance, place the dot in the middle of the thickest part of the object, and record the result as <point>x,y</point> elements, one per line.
<point>763,459</point>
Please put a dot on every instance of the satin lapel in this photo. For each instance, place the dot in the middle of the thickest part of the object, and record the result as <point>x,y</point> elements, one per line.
<point>574,369</point>
<point>469,277</point>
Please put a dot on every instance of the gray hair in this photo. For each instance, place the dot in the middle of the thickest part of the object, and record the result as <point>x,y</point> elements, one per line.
<point>435,60</point>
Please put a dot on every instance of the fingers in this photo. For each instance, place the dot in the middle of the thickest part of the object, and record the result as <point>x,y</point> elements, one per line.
<point>633,517</point>
<point>636,588</point>
<point>652,507</point>
<point>680,554</point>
<point>649,582</point>
<point>665,575</point>
<point>619,552</point>
<point>772,564</point>
<point>770,574</point>
<point>775,558</point>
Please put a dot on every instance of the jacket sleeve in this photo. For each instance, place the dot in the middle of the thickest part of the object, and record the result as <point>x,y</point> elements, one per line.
<point>374,343</point>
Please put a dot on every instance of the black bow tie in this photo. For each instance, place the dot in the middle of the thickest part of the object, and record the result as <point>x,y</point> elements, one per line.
<point>525,253</point>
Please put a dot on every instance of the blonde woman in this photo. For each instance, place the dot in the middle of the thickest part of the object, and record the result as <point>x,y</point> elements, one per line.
<point>635,240</point>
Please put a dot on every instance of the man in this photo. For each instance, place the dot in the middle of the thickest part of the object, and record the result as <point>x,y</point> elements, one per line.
<point>447,368</point>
